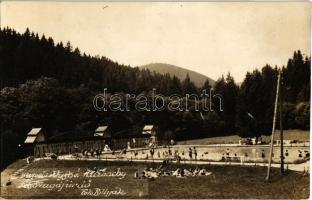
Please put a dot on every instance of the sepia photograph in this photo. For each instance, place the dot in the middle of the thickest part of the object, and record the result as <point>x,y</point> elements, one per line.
<point>155,100</point>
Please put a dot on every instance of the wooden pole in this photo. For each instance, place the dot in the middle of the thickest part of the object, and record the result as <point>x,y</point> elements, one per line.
<point>281,130</point>
<point>273,126</point>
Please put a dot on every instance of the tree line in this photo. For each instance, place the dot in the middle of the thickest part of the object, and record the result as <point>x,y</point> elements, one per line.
<point>50,85</point>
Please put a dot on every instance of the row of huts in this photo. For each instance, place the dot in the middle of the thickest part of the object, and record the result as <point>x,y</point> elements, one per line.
<point>39,145</point>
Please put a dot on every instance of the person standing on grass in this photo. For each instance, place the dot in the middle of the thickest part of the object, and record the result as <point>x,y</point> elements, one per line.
<point>190,153</point>
<point>195,153</point>
<point>134,142</point>
<point>169,151</point>
<point>262,154</point>
<point>92,152</point>
<point>97,151</point>
<point>136,174</point>
<point>152,152</point>
<point>227,152</point>
<point>178,159</point>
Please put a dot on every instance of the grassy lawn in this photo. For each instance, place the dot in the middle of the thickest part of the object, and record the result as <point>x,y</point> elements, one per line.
<point>224,182</point>
<point>300,135</point>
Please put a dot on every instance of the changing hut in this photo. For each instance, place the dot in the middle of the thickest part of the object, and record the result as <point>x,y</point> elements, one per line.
<point>34,136</point>
<point>150,130</point>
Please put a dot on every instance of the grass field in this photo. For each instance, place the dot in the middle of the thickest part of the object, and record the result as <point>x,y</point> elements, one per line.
<point>224,182</point>
<point>300,135</point>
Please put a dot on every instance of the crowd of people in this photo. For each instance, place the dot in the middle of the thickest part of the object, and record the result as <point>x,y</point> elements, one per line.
<point>168,153</point>
<point>152,173</point>
<point>151,153</point>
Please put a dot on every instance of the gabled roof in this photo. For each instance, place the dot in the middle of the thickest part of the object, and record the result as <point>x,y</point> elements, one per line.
<point>102,134</point>
<point>101,129</point>
<point>30,139</point>
<point>148,127</point>
<point>99,134</point>
<point>34,132</point>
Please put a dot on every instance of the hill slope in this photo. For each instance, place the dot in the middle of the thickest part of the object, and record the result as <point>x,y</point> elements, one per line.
<point>179,72</point>
<point>72,174</point>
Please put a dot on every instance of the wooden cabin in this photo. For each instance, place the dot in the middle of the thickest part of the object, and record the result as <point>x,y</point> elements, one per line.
<point>151,131</point>
<point>34,136</point>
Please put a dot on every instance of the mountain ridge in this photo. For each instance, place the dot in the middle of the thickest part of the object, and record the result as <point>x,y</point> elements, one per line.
<point>180,72</point>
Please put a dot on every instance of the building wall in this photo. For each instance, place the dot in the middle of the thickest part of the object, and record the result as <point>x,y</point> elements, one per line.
<point>61,148</point>
<point>40,137</point>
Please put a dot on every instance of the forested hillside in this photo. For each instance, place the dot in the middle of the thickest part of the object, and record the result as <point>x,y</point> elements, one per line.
<point>28,56</point>
<point>181,73</point>
<point>50,85</point>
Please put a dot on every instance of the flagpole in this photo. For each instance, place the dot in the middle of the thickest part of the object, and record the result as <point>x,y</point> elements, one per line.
<point>281,129</point>
<point>273,126</point>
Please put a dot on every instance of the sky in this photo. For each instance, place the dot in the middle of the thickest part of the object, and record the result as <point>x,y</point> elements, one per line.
<point>207,37</point>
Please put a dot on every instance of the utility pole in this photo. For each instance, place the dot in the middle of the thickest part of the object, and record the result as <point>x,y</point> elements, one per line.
<point>273,126</point>
<point>281,129</point>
